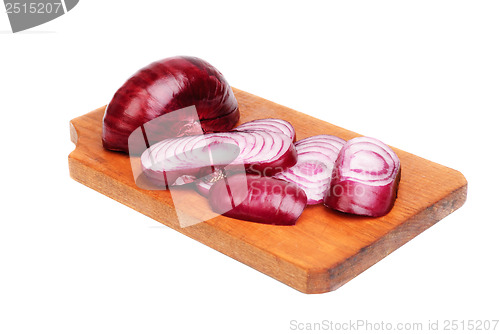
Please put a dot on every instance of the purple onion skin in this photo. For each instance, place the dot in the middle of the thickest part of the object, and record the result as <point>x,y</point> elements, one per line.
<point>267,201</point>
<point>351,195</point>
<point>165,86</point>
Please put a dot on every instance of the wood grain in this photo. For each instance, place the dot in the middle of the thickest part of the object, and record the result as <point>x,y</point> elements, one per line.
<point>325,249</point>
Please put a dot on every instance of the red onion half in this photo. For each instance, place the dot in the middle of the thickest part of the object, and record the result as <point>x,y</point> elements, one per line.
<point>365,178</point>
<point>165,86</point>
<point>313,171</point>
<point>257,199</point>
<point>177,161</point>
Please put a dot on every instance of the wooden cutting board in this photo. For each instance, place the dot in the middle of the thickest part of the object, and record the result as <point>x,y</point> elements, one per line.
<point>324,250</point>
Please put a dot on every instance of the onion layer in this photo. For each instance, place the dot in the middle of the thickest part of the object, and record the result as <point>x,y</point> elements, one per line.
<point>365,178</point>
<point>257,199</point>
<point>165,86</point>
<point>269,124</point>
<point>313,171</point>
<point>178,161</point>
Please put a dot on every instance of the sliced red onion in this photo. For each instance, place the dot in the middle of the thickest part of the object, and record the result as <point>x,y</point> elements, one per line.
<point>178,161</point>
<point>161,88</point>
<point>258,199</point>
<point>365,178</point>
<point>313,171</point>
<point>269,124</point>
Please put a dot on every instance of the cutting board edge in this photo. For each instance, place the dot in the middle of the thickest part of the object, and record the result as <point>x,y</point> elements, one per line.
<point>329,279</point>
<point>313,280</point>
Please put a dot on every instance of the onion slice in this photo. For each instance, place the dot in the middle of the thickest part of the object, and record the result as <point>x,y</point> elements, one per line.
<point>313,171</point>
<point>365,178</point>
<point>258,199</point>
<point>177,161</point>
<point>271,125</point>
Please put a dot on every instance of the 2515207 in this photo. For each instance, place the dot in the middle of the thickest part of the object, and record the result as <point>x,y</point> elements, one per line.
<point>33,8</point>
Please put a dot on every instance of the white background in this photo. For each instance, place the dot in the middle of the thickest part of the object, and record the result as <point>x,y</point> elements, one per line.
<point>423,76</point>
